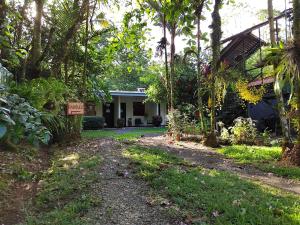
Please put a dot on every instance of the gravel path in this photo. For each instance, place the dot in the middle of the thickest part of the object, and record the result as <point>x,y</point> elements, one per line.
<point>124,198</point>
<point>208,158</point>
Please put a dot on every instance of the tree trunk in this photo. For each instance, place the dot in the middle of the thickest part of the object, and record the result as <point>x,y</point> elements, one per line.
<point>216,49</point>
<point>271,23</point>
<point>166,61</point>
<point>172,65</point>
<point>199,94</point>
<point>279,94</point>
<point>84,78</point>
<point>3,11</point>
<point>296,10</point>
<point>33,70</point>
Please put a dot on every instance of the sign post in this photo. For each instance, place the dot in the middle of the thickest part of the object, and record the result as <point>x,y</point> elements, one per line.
<point>75,108</point>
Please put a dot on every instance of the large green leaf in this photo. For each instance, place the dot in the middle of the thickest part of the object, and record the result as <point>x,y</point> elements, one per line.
<point>3,130</point>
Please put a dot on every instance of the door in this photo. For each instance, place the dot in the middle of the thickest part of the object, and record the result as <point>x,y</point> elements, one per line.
<point>90,109</point>
<point>123,112</point>
<point>108,114</point>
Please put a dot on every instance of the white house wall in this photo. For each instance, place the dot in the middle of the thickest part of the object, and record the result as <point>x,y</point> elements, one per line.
<point>99,109</point>
<point>151,109</point>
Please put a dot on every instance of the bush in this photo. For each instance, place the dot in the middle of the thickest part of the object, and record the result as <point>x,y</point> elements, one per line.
<point>175,122</point>
<point>93,122</point>
<point>156,120</point>
<point>243,131</point>
<point>20,121</point>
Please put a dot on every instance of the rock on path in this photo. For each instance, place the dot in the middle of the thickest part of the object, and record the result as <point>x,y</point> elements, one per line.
<point>123,198</point>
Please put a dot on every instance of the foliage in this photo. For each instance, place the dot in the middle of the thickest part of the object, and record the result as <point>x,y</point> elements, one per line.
<point>189,189</point>
<point>20,120</point>
<point>250,94</point>
<point>266,137</point>
<point>175,122</point>
<point>44,94</point>
<point>243,131</point>
<point>93,122</point>
<point>155,81</point>
<point>224,135</point>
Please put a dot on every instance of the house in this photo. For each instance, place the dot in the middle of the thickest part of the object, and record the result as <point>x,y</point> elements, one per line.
<point>130,106</point>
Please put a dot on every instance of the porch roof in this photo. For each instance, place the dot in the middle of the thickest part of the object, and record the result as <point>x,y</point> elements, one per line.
<point>128,93</point>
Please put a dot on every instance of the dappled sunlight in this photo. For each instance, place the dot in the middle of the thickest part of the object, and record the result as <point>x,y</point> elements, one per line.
<point>70,160</point>
<point>244,153</point>
<point>220,197</point>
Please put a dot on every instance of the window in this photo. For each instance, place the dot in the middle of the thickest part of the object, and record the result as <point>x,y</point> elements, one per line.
<point>138,109</point>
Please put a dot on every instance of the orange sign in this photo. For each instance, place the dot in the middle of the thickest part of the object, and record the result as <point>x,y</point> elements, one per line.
<point>75,108</point>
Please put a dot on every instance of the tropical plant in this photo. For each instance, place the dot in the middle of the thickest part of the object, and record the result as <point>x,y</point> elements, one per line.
<point>175,126</point>
<point>44,94</point>
<point>243,131</point>
<point>19,121</point>
<point>250,94</point>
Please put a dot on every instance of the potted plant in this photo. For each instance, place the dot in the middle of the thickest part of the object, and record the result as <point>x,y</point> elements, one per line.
<point>156,120</point>
<point>120,123</point>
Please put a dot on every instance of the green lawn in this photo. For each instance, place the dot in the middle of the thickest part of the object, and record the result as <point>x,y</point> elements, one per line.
<point>212,197</point>
<point>130,134</point>
<point>264,158</point>
<point>65,195</point>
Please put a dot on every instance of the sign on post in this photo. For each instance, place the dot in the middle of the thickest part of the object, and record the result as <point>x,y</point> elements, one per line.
<point>75,108</point>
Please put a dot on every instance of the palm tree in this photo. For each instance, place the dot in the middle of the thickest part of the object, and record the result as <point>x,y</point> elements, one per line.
<point>289,69</point>
<point>278,92</point>
<point>296,7</point>
<point>198,13</point>
<point>171,15</point>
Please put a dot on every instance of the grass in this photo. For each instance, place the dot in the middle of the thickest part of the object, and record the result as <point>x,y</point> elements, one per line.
<point>264,158</point>
<point>65,198</point>
<point>251,154</point>
<point>212,197</point>
<point>131,134</point>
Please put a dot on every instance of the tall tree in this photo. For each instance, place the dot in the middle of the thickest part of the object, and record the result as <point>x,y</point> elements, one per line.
<point>278,92</point>
<point>71,32</point>
<point>198,13</point>
<point>36,45</point>
<point>296,32</point>
<point>216,49</point>
<point>174,14</point>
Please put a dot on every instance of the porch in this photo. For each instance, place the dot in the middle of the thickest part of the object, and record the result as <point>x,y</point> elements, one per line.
<point>130,106</point>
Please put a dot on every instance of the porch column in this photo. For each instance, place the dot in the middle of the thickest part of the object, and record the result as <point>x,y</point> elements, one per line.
<point>119,107</point>
<point>157,109</point>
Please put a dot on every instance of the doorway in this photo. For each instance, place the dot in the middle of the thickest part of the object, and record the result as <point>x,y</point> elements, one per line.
<point>108,114</point>
<point>123,112</point>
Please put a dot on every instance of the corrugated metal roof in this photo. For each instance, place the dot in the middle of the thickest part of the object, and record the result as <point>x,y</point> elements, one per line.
<point>128,93</point>
<point>240,49</point>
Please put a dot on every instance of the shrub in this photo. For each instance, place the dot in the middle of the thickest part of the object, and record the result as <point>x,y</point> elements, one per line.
<point>156,120</point>
<point>19,120</point>
<point>243,131</point>
<point>93,122</point>
<point>44,94</point>
<point>175,122</point>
